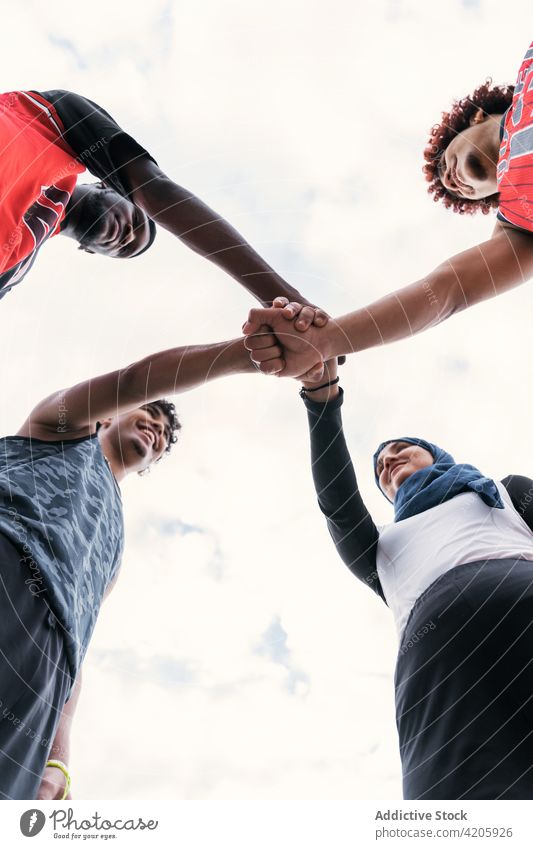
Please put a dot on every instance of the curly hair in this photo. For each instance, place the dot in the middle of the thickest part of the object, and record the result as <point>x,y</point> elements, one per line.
<point>492,100</point>
<point>169,410</point>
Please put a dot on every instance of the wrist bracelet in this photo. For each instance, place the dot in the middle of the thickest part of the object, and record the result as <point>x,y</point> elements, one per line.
<point>304,390</point>
<point>64,769</point>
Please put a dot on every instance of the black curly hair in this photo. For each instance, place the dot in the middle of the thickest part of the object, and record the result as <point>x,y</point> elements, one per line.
<point>492,100</point>
<point>169,410</point>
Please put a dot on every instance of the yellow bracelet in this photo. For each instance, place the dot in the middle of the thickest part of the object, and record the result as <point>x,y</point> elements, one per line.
<point>60,765</point>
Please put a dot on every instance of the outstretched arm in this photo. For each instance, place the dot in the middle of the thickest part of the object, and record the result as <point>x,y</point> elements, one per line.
<point>480,273</point>
<point>74,412</point>
<point>349,522</point>
<point>121,162</point>
<point>473,276</point>
<point>200,228</point>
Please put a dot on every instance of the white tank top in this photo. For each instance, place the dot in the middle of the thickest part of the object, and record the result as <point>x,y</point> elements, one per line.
<point>413,553</point>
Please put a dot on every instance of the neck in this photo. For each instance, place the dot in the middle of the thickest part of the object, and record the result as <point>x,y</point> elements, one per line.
<point>114,459</point>
<point>117,468</point>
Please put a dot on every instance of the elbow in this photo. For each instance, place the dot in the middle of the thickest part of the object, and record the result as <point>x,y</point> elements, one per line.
<point>153,193</point>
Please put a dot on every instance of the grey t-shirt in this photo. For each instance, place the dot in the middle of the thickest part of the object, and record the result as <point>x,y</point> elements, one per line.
<point>60,506</point>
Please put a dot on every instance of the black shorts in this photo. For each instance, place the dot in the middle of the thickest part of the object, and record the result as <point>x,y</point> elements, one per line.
<point>34,677</point>
<point>464,685</point>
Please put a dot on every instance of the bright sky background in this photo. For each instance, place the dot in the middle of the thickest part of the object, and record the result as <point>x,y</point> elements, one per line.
<point>238,658</point>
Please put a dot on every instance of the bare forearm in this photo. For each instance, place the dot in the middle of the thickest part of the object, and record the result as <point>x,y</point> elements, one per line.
<point>396,316</point>
<point>164,373</point>
<point>181,369</point>
<point>483,272</point>
<point>206,233</point>
<point>60,749</point>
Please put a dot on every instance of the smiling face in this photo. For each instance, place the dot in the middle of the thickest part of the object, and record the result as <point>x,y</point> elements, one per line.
<point>106,223</point>
<point>467,168</point>
<point>397,461</point>
<point>137,439</point>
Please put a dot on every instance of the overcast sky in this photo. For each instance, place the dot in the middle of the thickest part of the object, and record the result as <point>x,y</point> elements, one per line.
<point>238,658</point>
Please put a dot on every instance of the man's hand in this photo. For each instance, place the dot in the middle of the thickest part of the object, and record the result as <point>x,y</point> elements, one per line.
<point>52,784</point>
<point>305,314</point>
<point>302,354</point>
<point>267,352</point>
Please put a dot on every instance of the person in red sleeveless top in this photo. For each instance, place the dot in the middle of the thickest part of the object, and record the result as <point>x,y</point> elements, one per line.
<point>47,139</point>
<point>479,158</point>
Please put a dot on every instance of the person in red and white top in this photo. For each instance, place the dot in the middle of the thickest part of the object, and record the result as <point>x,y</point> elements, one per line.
<point>49,138</point>
<point>479,158</point>
<point>515,165</point>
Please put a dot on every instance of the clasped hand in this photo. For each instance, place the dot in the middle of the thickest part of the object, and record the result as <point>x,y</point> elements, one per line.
<point>288,340</point>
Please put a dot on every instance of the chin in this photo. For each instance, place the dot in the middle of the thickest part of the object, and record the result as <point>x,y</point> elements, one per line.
<point>137,450</point>
<point>399,479</point>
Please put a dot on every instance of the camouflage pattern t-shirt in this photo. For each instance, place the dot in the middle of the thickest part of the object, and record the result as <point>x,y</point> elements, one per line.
<point>60,506</point>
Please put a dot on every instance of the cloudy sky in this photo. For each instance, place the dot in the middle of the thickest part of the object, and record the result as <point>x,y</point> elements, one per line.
<point>238,658</point>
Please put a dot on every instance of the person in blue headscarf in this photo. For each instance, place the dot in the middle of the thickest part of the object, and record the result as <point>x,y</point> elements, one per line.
<point>455,566</point>
<point>442,478</point>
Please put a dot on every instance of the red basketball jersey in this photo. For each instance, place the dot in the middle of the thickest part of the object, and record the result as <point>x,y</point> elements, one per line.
<point>515,164</point>
<point>38,172</point>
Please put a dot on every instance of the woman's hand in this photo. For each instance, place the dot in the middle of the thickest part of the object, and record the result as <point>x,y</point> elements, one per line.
<point>329,392</point>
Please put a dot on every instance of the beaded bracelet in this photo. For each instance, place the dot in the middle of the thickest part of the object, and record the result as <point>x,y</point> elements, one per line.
<point>304,390</point>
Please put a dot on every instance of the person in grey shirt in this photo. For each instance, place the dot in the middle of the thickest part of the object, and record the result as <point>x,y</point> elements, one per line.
<point>61,541</point>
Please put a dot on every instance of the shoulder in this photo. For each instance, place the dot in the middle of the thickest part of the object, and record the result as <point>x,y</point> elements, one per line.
<point>30,431</point>
<point>502,227</point>
<point>519,487</point>
<point>40,432</point>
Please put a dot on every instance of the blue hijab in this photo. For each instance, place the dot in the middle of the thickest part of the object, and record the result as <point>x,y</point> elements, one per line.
<point>442,480</point>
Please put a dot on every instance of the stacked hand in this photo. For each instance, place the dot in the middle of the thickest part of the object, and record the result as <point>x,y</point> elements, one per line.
<point>288,339</point>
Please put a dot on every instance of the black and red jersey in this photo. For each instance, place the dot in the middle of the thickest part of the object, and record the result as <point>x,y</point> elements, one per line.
<point>515,163</point>
<point>37,175</point>
<point>46,140</point>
